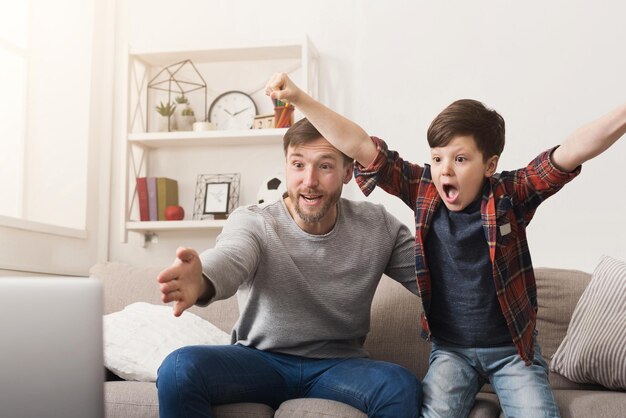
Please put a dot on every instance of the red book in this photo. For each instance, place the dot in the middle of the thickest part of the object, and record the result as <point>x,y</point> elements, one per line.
<point>142,195</point>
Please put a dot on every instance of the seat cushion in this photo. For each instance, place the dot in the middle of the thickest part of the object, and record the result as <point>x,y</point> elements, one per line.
<point>140,400</point>
<point>317,408</point>
<point>130,400</point>
<point>590,403</point>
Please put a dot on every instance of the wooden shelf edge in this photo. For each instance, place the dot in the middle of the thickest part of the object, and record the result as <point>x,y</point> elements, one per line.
<point>173,225</point>
<point>208,138</point>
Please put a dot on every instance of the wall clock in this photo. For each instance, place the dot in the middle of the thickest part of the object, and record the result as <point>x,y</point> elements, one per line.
<point>232,110</point>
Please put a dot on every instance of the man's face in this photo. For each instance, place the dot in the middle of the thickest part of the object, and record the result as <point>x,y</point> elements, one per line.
<point>458,171</point>
<point>315,173</point>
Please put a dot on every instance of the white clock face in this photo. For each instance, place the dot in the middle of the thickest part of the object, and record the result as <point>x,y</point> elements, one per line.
<point>232,110</point>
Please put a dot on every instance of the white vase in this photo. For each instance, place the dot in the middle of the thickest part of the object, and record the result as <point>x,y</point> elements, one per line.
<point>162,123</point>
<point>184,122</point>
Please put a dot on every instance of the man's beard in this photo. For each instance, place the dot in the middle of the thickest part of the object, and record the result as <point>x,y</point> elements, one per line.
<point>316,216</point>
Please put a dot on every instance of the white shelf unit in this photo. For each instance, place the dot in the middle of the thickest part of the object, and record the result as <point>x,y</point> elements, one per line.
<point>140,140</point>
<point>174,225</point>
<point>210,138</point>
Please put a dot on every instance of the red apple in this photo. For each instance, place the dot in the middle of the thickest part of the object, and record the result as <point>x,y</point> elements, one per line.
<point>174,213</point>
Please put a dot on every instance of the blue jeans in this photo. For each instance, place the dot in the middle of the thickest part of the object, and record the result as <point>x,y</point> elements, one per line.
<point>191,379</point>
<point>455,376</point>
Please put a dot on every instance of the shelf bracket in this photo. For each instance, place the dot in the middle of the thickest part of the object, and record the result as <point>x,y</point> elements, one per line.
<point>150,238</point>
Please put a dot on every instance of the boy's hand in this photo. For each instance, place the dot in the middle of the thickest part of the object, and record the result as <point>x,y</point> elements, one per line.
<point>282,88</point>
<point>182,282</point>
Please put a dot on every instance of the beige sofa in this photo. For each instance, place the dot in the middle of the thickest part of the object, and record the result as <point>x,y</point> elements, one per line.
<point>394,337</point>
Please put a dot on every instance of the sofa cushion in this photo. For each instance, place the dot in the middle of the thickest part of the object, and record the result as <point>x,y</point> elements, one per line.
<point>593,350</point>
<point>317,408</point>
<point>395,328</point>
<point>590,403</point>
<point>138,338</point>
<point>125,284</point>
<point>486,406</point>
<point>140,400</point>
<point>558,290</point>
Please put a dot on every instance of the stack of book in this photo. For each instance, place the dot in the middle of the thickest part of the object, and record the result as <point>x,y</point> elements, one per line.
<point>155,194</point>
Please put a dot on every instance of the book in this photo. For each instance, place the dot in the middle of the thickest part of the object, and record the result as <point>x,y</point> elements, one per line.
<point>167,195</point>
<point>142,197</point>
<point>152,198</point>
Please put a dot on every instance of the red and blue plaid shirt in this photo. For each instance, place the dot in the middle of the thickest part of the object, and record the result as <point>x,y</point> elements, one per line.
<point>507,207</point>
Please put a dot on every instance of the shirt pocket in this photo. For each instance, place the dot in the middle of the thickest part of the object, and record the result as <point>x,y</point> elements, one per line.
<point>505,222</point>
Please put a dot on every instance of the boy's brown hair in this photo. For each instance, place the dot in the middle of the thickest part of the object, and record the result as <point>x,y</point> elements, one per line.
<point>303,132</point>
<point>469,117</point>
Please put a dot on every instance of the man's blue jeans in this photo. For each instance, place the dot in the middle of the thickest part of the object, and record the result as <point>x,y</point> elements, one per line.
<point>192,379</point>
<point>455,375</point>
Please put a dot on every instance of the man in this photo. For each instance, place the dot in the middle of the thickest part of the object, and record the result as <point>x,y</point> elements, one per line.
<point>305,270</point>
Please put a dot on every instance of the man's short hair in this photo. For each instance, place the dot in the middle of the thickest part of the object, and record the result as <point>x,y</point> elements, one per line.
<point>469,117</point>
<point>303,132</point>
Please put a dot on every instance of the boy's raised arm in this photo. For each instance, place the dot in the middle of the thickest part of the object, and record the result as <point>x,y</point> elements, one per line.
<point>345,135</point>
<point>590,140</point>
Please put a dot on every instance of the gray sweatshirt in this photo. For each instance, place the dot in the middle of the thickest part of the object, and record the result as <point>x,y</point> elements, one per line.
<point>303,294</point>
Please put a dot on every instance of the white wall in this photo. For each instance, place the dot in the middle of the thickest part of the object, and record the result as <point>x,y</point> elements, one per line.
<point>67,227</point>
<point>391,66</point>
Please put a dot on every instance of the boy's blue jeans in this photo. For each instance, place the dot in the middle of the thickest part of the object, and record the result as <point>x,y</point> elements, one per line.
<point>192,379</point>
<point>455,375</point>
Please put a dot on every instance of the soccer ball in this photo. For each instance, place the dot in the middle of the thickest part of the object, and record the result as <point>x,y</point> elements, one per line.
<point>271,190</point>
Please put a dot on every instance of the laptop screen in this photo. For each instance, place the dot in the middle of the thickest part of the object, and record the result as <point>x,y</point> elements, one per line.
<point>51,361</point>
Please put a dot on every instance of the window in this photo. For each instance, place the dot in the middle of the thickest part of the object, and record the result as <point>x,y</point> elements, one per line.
<point>46,54</point>
<point>13,70</point>
<point>56,78</point>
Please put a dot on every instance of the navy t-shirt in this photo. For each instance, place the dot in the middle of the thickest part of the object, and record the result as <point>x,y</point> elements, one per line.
<point>464,309</point>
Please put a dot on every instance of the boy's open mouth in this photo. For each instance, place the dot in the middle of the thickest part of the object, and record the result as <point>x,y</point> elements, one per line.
<point>450,191</point>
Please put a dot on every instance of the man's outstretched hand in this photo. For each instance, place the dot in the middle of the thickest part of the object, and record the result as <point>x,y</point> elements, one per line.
<point>182,282</point>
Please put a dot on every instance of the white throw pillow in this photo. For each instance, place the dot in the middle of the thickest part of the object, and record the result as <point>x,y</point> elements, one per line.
<point>594,349</point>
<point>138,338</point>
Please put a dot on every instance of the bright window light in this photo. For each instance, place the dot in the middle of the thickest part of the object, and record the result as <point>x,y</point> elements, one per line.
<point>46,55</point>
<point>14,22</point>
<point>13,70</point>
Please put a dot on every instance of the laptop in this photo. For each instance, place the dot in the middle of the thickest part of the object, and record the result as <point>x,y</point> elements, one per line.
<point>51,356</point>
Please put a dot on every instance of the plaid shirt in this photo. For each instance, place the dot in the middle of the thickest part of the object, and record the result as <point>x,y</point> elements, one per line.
<point>507,207</point>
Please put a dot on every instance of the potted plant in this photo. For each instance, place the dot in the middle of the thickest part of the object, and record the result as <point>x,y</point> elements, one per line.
<point>186,119</point>
<point>166,122</point>
<point>185,116</point>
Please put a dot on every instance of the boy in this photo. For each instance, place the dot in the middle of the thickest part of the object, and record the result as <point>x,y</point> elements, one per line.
<point>473,266</point>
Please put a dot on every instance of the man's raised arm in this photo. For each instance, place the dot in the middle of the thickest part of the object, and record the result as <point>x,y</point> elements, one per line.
<point>345,135</point>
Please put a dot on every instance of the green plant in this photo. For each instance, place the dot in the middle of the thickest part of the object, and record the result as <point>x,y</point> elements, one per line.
<point>182,99</point>
<point>187,112</point>
<point>166,109</point>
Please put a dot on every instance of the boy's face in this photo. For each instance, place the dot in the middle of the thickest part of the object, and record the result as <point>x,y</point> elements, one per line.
<point>458,171</point>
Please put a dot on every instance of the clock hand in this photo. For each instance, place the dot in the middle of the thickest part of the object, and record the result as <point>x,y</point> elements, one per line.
<point>242,110</point>
<point>231,115</point>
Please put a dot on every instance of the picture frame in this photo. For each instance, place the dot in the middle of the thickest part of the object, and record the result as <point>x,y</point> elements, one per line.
<point>217,195</point>
<point>216,198</point>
